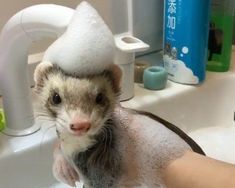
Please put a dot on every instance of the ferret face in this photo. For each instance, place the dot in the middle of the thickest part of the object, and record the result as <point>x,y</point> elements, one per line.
<point>78,106</point>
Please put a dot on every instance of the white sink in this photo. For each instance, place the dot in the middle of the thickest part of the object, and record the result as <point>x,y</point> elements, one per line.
<point>26,162</point>
<point>205,112</point>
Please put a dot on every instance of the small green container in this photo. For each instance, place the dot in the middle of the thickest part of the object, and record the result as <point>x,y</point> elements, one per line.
<point>155,78</point>
<point>220,35</point>
<point>2,120</point>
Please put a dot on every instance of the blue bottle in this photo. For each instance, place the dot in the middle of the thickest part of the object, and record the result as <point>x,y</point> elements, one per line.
<point>186,27</point>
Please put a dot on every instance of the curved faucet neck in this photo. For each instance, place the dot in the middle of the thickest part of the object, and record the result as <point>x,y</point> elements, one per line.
<point>29,25</point>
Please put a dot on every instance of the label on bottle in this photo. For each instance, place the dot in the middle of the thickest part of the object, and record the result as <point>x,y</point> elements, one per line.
<point>185,40</point>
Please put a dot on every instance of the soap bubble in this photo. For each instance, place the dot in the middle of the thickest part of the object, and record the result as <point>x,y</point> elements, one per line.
<point>185,50</point>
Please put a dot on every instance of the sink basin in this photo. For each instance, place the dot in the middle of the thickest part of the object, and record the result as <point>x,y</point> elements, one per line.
<point>205,112</point>
<point>26,162</point>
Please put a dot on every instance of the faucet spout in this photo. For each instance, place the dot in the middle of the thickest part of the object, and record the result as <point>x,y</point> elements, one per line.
<point>27,26</point>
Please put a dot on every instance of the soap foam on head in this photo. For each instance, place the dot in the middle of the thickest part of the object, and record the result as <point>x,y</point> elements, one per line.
<point>87,47</point>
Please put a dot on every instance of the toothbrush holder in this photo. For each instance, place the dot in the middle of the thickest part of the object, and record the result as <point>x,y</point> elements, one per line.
<point>155,78</point>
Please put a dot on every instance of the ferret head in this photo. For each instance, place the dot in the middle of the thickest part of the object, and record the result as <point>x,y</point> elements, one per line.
<point>79,106</point>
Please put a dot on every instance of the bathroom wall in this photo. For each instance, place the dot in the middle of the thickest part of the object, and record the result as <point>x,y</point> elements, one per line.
<point>10,7</point>
<point>147,25</point>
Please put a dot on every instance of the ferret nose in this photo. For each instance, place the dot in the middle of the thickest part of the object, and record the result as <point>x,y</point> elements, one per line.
<point>80,126</point>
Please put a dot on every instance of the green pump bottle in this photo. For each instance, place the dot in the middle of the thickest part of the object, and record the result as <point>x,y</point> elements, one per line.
<point>220,35</point>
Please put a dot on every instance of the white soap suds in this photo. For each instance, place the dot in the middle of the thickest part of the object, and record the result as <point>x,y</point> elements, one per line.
<point>87,47</point>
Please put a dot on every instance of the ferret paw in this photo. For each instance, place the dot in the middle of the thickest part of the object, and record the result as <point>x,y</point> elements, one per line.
<point>63,172</point>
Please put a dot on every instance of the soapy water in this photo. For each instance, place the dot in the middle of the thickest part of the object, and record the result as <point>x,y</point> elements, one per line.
<point>217,142</point>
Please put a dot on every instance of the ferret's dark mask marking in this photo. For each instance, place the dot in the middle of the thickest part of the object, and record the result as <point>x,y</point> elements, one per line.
<point>50,102</point>
<point>100,164</point>
<point>106,73</point>
<point>48,107</point>
<point>44,76</point>
<point>100,99</point>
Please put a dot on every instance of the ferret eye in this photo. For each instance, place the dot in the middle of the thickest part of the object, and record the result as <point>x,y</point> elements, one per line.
<point>99,99</point>
<point>56,99</point>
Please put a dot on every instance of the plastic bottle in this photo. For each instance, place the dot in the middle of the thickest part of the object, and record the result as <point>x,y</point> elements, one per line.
<point>220,35</point>
<point>186,39</point>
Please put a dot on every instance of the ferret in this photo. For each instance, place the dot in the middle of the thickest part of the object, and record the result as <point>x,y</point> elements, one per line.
<point>101,143</point>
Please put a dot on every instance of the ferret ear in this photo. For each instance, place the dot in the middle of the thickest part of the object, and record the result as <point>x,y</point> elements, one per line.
<point>41,72</point>
<point>116,77</point>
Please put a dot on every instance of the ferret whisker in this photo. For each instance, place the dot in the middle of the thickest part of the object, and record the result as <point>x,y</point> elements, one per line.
<point>111,136</point>
<point>99,157</point>
<point>105,142</point>
<point>106,139</point>
<point>42,114</point>
<point>60,124</point>
<point>61,119</point>
<point>39,111</point>
<point>43,137</point>
<point>46,119</point>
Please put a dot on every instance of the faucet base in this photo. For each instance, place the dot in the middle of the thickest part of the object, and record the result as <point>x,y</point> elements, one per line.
<point>25,132</point>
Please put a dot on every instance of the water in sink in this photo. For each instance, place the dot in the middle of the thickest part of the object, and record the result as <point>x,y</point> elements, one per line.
<point>218,142</point>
